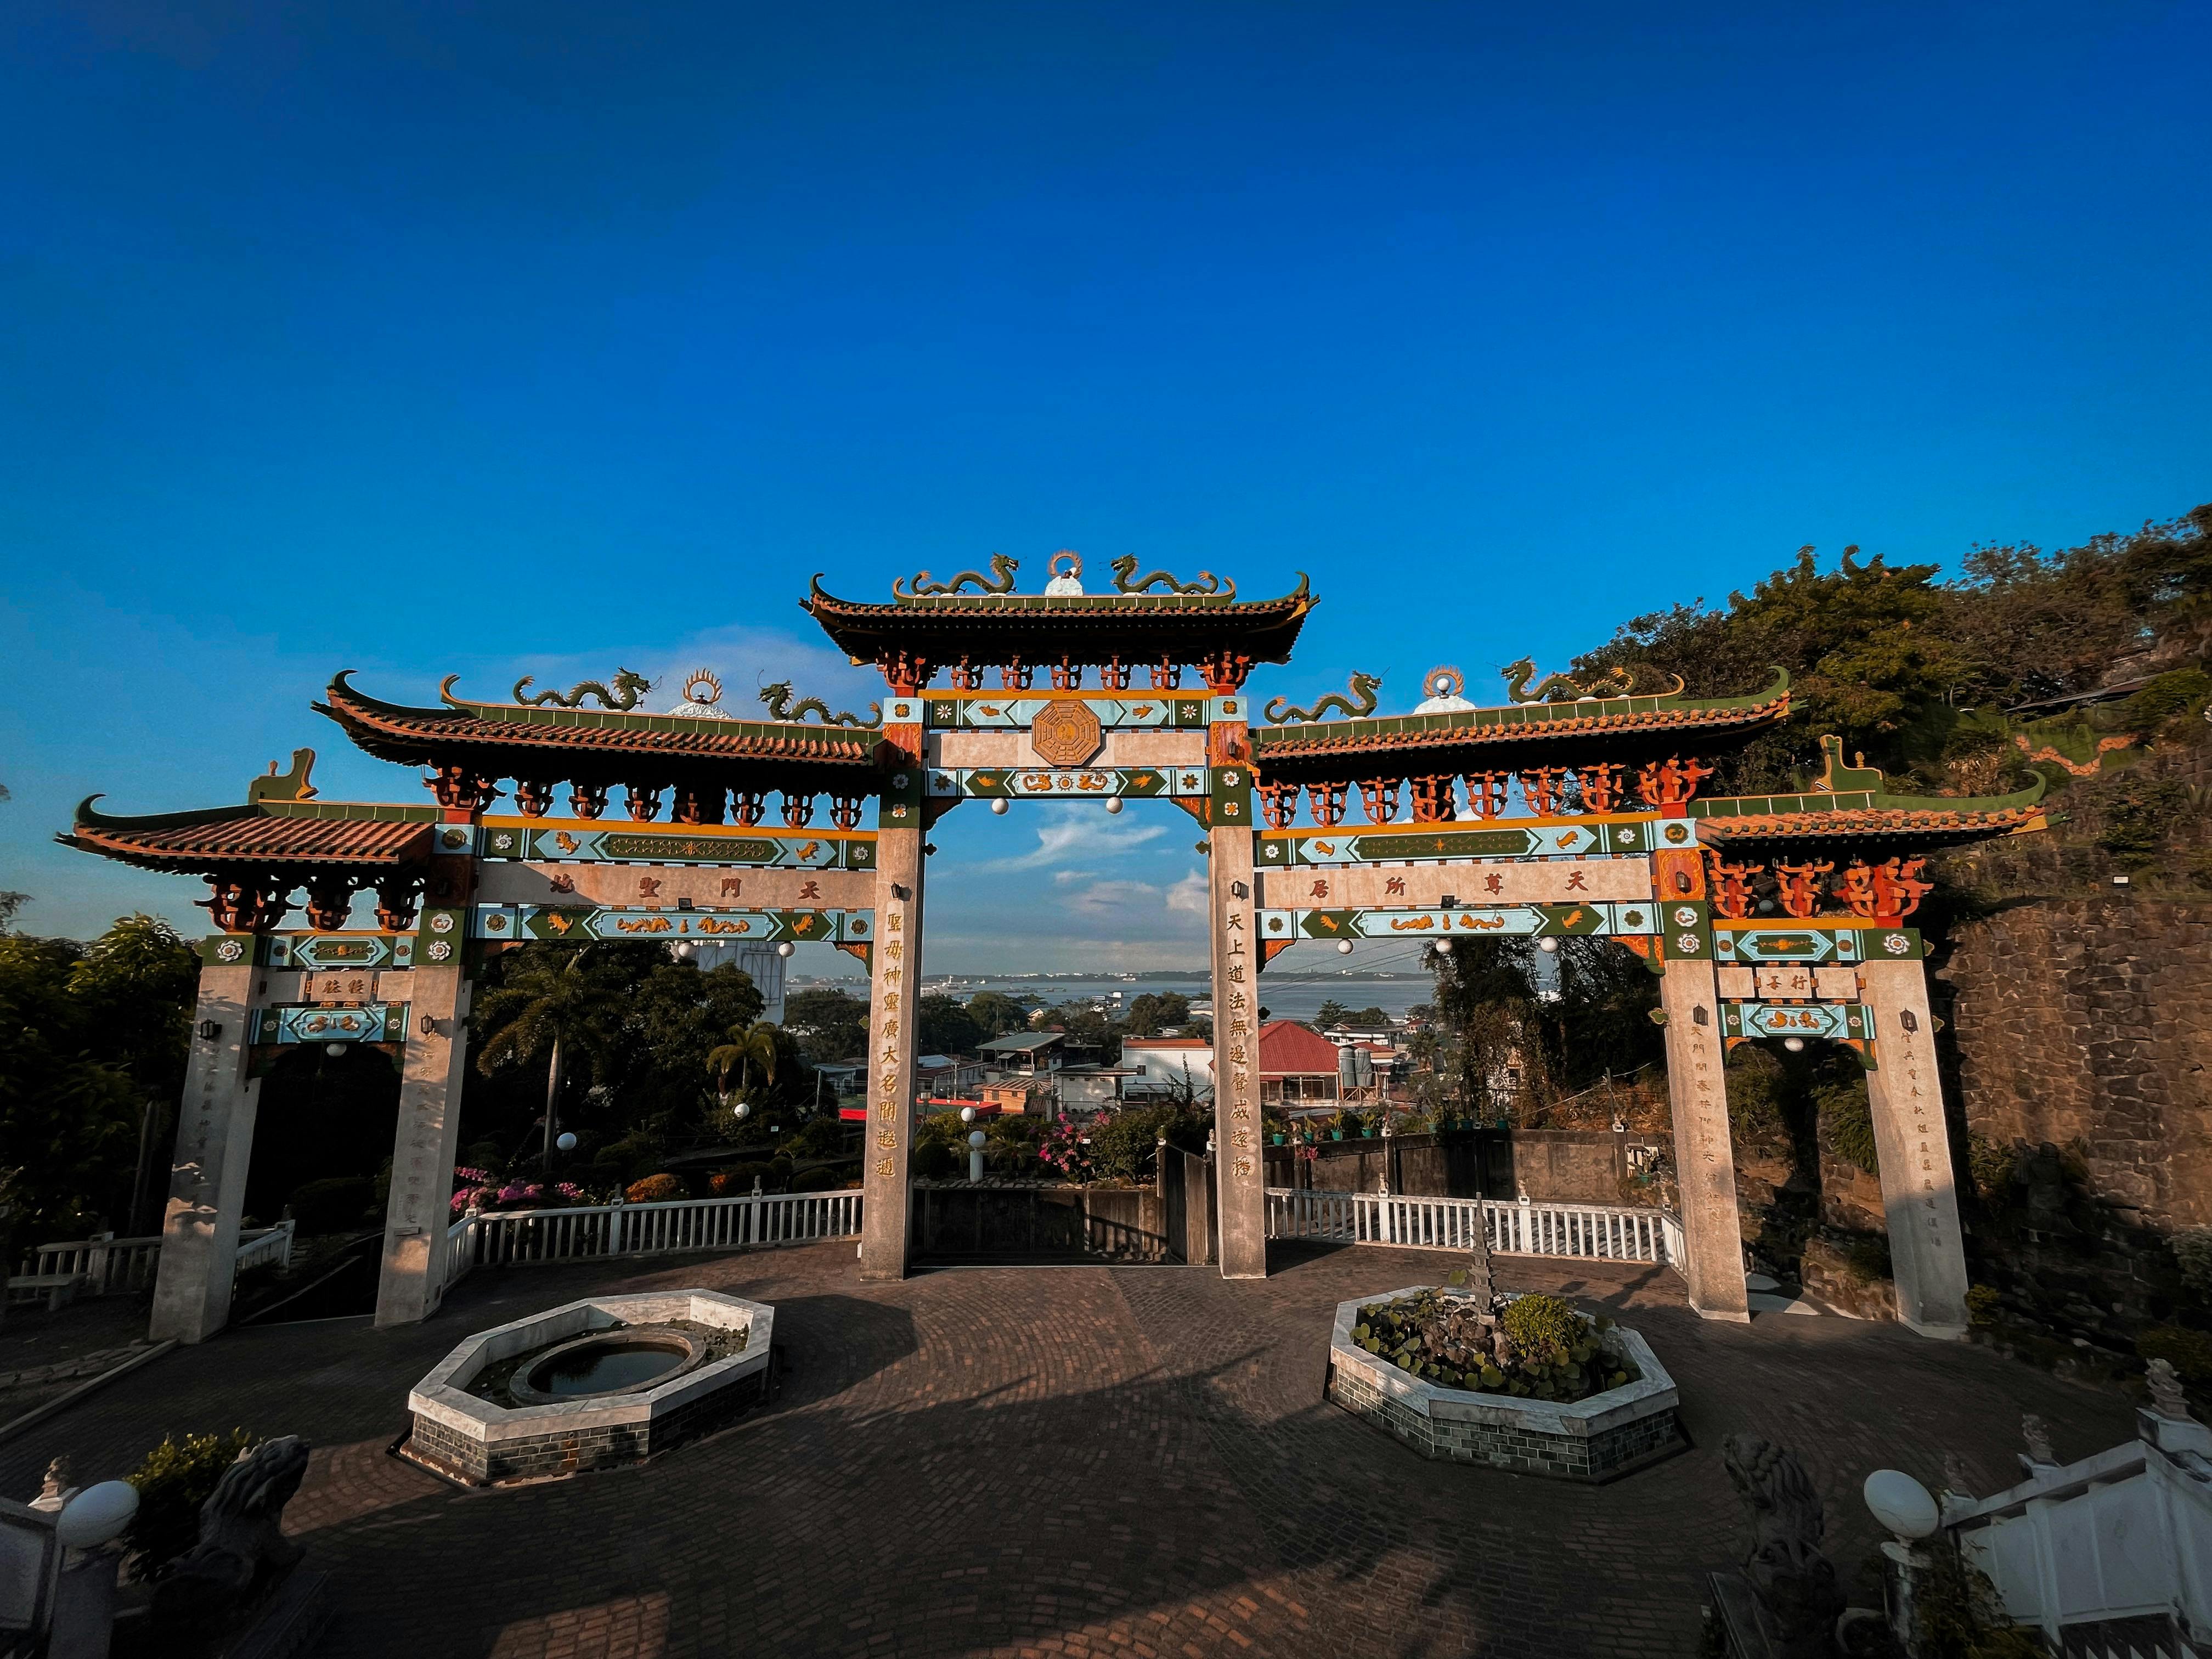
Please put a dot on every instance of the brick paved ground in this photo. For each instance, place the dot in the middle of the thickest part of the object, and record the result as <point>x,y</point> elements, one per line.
<point>1060,1461</point>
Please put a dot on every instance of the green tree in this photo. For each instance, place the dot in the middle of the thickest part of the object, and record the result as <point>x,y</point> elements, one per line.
<point>830,1025</point>
<point>1331,1014</point>
<point>68,1120</point>
<point>997,1014</point>
<point>136,985</point>
<point>745,1047</point>
<point>943,1026</point>
<point>1150,1014</point>
<point>566,1003</point>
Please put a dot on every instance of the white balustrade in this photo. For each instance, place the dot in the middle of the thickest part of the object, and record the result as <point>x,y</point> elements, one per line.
<point>268,1244</point>
<point>107,1266</point>
<point>1588,1232</point>
<point>503,1237</point>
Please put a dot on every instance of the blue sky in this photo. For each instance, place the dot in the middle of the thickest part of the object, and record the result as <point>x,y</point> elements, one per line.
<point>537,337</point>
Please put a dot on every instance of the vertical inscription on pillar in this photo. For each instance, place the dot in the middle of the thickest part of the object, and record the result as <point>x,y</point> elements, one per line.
<point>892,991</point>
<point>1703,1157</point>
<point>887,1121</point>
<point>1239,1169</point>
<point>1920,1192</point>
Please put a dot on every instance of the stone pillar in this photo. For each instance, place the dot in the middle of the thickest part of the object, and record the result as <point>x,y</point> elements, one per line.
<point>1240,1169</point>
<point>894,988</point>
<point>1705,1159</point>
<point>412,1280</point>
<point>214,1145</point>
<point>1919,1193</point>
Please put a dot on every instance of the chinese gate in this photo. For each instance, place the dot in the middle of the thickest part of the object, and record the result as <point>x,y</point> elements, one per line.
<point>1570,810</point>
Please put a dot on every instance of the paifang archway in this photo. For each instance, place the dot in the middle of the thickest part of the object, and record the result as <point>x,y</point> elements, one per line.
<point>1568,810</point>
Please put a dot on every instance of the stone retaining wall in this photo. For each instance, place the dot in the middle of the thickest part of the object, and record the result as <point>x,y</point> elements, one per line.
<point>2085,1020</point>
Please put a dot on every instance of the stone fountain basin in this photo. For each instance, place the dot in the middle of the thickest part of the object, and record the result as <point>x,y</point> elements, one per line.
<point>483,1441</point>
<point>1594,1439</point>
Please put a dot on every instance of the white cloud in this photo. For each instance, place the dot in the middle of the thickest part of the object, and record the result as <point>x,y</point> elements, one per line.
<point>1080,832</point>
<point>1064,876</point>
<point>1104,898</point>
<point>1189,894</point>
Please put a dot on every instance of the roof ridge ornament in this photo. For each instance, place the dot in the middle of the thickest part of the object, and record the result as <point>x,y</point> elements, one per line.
<point>629,691</point>
<point>1001,580</point>
<point>777,697</point>
<point>1620,682</point>
<point>1068,583</point>
<point>285,785</point>
<point>1363,688</point>
<point>1207,582</point>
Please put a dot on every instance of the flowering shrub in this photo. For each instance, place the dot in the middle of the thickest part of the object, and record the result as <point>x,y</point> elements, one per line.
<point>1066,1148</point>
<point>480,1189</point>
<point>654,1189</point>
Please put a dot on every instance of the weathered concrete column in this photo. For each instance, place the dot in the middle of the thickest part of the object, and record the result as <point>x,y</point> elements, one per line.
<point>1919,1191</point>
<point>1239,1166</point>
<point>214,1145</point>
<point>1704,1158</point>
<point>412,1280</point>
<point>893,991</point>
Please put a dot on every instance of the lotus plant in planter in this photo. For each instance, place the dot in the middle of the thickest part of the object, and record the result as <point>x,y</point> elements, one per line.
<point>1535,1348</point>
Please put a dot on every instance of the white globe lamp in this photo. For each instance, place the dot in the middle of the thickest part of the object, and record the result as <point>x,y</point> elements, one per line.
<point>1344,947</point>
<point>96,1514</point>
<point>1902,1504</point>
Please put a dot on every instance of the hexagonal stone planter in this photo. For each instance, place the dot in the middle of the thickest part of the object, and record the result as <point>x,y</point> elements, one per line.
<point>673,1343</point>
<point>1595,1439</point>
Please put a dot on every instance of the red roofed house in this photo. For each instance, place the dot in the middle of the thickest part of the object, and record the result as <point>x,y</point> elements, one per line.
<point>1298,1065</point>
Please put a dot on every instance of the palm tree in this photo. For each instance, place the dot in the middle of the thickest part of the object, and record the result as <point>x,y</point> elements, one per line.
<point>746,1046</point>
<point>563,1006</point>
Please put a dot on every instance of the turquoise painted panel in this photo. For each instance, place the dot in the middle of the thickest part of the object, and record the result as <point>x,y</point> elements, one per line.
<point>707,926</point>
<point>374,1022</point>
<point>1817,942</point>
<point>1834,1021</point>
<point>671,844</point>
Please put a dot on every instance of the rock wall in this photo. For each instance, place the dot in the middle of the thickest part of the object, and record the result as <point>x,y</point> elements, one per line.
<point>2088,1021</point>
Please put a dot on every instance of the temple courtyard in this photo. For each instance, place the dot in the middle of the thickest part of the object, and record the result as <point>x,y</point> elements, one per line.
<point>1073,1460</point>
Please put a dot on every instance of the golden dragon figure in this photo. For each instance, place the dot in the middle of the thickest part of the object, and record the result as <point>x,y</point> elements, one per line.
<point>1362,702</point>
<point>1001,580</point>
<point>1207,582</point>
<point>629,691</point>
<point>781,707</point>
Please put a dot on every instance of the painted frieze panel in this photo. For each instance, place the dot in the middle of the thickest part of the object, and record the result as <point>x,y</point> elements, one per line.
<point>376,1022</point>
<point>1474,920</point>
<point>309,949</point>
<point>582,841</point>
<point>1566,881</point>
<point>1027,783</point>
<point>1842,1021</point>
<point>1763,943</point>
<point>1529,838</point>
<point>673,886</point>
<point>529,921</point>
<point>984,712</point>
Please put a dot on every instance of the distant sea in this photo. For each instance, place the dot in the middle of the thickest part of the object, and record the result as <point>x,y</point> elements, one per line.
<point>1294,997</point>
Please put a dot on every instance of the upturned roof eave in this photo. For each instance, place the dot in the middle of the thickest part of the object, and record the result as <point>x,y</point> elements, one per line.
<point>498,737</point>
<point>1090,627</point>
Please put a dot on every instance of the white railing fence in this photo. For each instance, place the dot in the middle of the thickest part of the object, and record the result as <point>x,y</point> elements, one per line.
<point>501,1238</point>
<point>1591,1231</point>
<point>108,1265</point>
<point>264,1246</point>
